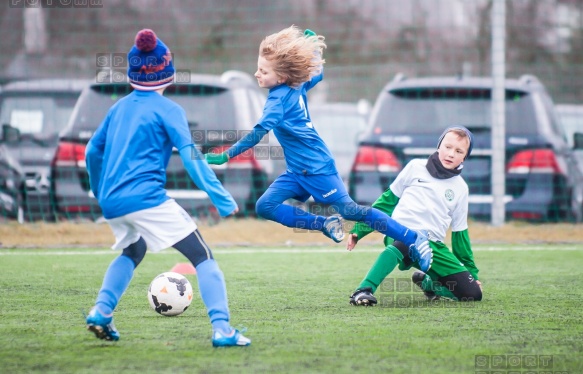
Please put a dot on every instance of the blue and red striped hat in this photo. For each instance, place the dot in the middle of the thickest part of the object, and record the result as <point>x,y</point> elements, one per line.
<point>150,65</point>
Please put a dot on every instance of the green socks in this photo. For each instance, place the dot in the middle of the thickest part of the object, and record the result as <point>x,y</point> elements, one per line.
<point>429,285</point>
<point>384,264</point>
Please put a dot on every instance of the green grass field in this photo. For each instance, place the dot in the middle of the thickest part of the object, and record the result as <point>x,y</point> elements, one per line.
<point>294,303</point>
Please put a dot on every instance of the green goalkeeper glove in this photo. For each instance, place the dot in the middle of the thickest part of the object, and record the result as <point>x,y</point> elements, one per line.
<point>216,159</point>
<point>308,33</point>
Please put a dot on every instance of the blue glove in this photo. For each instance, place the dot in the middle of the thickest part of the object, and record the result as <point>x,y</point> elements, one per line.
<point>421,251</point>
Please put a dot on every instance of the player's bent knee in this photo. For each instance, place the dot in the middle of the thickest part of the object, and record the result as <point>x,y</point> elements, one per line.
<point>265,208</point>
<point>194,248</point>
<point>462,286</point>
<point>472,295</point>
<point>136,251</point>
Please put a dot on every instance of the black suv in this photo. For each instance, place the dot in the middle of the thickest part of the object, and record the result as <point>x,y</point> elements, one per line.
<point>220,109</point>
<point>32,114</point>
<point>542,180</point>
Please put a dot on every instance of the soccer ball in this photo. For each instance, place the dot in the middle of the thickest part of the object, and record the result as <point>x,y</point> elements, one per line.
<point>170,294</point>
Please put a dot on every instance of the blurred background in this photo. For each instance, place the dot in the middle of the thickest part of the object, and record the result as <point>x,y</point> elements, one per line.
<point>55,52</point>
<point>368,42</point>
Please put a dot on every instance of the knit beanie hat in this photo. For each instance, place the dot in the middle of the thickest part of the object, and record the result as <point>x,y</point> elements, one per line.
<point>468,133</point>
<point>150,64</point>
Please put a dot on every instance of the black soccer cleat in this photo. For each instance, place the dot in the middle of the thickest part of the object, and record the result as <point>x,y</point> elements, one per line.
<point>363,297</point>
<point>417,278</point>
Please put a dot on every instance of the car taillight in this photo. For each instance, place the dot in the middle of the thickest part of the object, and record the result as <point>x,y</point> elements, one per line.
<point>245,160</point>
<point>76,208</point>
<point>376,159</point>
<point>526,216</point>
<point>543,161</point>
<point>70,154</point>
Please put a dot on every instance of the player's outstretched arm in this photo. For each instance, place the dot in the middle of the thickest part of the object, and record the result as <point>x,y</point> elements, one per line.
<point>247,142</point>
<point>205,179</point>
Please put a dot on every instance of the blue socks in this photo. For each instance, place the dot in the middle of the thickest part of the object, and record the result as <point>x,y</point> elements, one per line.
<point>116,280</point>
<point>384,224</point>
<point>291,216</point>
<point>213,292</point>
<point>211,284</point>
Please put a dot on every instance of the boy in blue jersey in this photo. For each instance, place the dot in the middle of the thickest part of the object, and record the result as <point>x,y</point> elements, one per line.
<point>126,161</point>
<point>289,64</point>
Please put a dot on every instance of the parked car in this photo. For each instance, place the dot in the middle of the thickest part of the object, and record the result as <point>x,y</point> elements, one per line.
<point>11,184</point>
<point>340,125</point>
<point>34,112</point>
<point>220,109</point>
<point>571,117</point>
<point>542,178</point>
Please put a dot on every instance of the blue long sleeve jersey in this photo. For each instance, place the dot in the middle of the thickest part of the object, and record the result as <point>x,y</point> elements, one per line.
<point>129,152</point>
<point>286,113</point>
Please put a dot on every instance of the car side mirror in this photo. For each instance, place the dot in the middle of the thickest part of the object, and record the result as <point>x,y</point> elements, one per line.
<point>578,140</point>
<point>10,134</point>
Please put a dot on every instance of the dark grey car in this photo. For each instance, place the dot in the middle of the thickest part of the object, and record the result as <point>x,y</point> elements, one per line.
<point>34,112</point>
<point>542,178</point>
<point>220,109</point>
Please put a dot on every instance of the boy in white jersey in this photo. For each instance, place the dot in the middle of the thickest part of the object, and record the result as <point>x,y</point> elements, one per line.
<point>431,195</point>
<point>289,64</point>
<point>126,161</point>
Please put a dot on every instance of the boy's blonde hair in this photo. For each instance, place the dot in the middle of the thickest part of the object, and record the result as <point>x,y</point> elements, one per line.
<point>293,54</point>
<point>461,134</point>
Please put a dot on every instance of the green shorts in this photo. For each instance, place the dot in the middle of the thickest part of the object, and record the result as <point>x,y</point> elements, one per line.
<point>444,262</point>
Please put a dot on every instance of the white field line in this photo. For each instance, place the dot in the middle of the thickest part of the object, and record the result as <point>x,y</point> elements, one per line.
<point>479,248</point>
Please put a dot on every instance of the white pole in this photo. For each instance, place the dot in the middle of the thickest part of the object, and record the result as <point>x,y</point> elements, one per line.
<point>498,111</point>
<point>35,30</point>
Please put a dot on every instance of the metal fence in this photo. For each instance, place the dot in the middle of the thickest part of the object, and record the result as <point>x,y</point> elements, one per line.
<point>55,49</point>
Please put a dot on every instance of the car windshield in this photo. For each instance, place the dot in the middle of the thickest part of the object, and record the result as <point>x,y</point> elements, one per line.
<point>42,115</point>
<point>417,111</point>
<point>206,107</point>
<point>337,128</point>
<point>93,107</point>
<point>572,122</point>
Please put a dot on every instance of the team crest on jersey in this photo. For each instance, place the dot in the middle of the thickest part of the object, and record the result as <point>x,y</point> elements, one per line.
<point>449,195</point>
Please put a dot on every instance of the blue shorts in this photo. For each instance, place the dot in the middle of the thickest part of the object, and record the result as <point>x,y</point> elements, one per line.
<point>325,189</point>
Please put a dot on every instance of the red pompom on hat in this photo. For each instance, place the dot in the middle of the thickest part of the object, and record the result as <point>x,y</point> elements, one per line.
<point>146,40</point>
